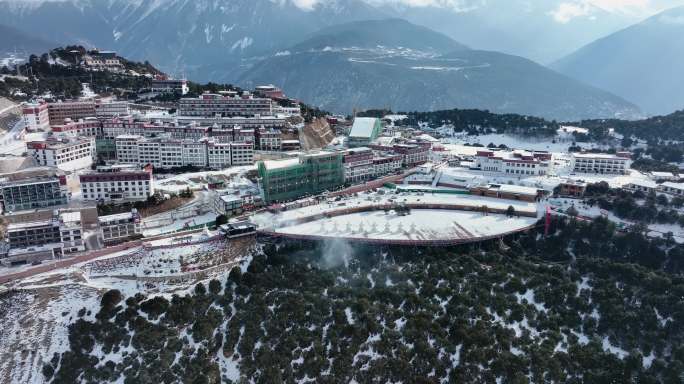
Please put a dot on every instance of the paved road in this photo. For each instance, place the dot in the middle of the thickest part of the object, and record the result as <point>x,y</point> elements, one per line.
<point>57,264</point>
<point>87,256</point>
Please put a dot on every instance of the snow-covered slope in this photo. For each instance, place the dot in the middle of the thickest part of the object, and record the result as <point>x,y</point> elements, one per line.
<point>194,37</point>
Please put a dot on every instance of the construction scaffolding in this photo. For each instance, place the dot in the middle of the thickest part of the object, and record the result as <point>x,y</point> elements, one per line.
<point>312,173</point>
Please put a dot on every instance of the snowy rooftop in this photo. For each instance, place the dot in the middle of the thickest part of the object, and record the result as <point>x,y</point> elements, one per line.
<point>518,189</point>
<point>115,217</point>
<point>608,156</point>
<point>419,225</point>
<point>267,219</point>
<point>278,164</point>
<point>570,129</point>
<point>662,174</point>
<point>70,217</point>
<point>363,127</point>
<point>672,185</point>
<point>644,183</point>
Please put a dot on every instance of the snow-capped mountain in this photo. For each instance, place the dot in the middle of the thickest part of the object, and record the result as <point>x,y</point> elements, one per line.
<point>181,36</point>
<point>323,51</point>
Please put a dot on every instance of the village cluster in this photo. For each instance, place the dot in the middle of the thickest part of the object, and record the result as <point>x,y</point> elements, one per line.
<point>250,154</point>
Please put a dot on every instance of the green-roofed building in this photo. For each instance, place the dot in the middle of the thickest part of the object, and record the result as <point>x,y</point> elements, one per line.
<point>308,174</point>
<point>364,131</point>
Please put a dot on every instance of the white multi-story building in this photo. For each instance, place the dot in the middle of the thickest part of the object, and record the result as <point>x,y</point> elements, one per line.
<point>67,154</point>
<point>269,140</point>
<point>194,153</point>
<point>36,116</point>
<point>112,109</point>
<point>602,163</point>
<point>163,152</point>
<point>120,227</point>
<point>170,86</point>
<point>646,186</point>
<point>112,128</point>
<point>211,105</point>
<point>241,153</point>
<point>218,155</point>
<point>675,189</point>
<point>102,59</point>
<point>516,163</point>
<point>117,183</point>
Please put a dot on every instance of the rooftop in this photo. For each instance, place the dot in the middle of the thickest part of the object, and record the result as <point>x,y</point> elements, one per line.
<point>607,156</point>
<point>115,217</point>
<point>672,185</point>
<point>279,164</point>
<point>363,127</point>
<point>230,198</point>
<point>644,183</point>
<point>70,217</point>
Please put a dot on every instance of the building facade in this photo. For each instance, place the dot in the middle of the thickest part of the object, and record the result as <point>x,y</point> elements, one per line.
<point>269,139</point>
<point>109,184</point>
<point>228,204</point>
<point>89,126</point>
<point>602,163</point>
<point>34,193</point>
<point>45,239</point>
<point>163,152</point>
<point>290,145</point>
<point>73,110</point>
<point>170,86</point>
<point>413,154</point>
<point>112,108</point>
<point>67,154</point>
<point>310,173</point>
<point>36,116</point>
<point>212,105</point>
<point>514,163</point>
<point>120,227</point>
<point>358,165</point>
<point>385,164</point>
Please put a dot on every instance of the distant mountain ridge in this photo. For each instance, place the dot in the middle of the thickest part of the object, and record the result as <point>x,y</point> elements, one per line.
<point>374,33</point>
<point>371,71</point>
<point>13,40</point>
<point>642,63</point>
<point>181,36</point>
<point>361,64</point>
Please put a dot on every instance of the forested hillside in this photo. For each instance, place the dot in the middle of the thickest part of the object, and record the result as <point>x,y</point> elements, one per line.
<point>587,304</point>
<point>59,73</point>
<point>653,129</point>
<point>476,121</point>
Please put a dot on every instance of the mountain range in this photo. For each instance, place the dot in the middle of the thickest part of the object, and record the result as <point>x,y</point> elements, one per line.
<point>642,63</point>
<point>199,38</point>
<point>308,48</point>
<point>357,65</point>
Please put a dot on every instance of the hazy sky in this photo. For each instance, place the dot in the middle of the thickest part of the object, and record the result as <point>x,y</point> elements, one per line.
<point>562,11</point>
